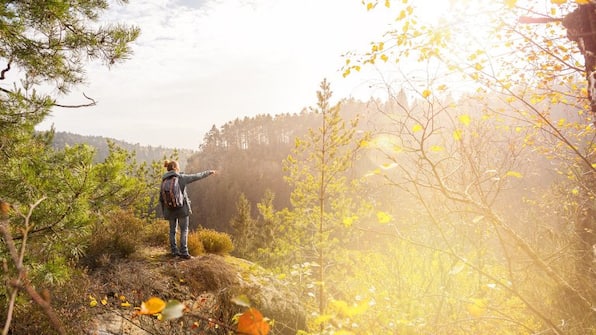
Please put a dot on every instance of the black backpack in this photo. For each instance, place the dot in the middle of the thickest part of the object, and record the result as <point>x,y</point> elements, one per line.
<point>171,193</point>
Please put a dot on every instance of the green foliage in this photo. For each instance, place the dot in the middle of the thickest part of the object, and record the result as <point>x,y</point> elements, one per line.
<point>44,45</point>
<point>119,183</point>
<point>49,42</point>
<point>115,237</point>
<point>215,242</point>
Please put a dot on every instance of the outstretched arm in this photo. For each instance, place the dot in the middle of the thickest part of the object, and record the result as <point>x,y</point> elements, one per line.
<point>189,178</point>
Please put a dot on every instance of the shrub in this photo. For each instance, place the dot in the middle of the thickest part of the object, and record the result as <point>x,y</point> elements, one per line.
<point>156,233</point>
<point>195,244</point>
<point>112,238</point>
<point>215,242</point>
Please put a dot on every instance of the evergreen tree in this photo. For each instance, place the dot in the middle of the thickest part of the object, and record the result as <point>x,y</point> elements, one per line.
<point>244,227</point>
<point>324,199</point>
<point>45,44</point>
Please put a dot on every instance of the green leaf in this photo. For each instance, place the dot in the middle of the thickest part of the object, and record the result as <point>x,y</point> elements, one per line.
<point>174,309</point>
<point>241,300</point>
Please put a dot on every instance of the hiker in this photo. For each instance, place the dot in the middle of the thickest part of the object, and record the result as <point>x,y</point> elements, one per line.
<point>175,204</point>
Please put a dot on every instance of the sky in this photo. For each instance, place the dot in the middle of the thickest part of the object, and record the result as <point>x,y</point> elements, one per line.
<point>200,63</point>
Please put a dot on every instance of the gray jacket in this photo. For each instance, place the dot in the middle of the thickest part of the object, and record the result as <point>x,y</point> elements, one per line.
<point>183,180</point>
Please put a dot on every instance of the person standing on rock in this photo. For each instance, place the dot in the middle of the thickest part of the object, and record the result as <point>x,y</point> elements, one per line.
<point>175,204</point>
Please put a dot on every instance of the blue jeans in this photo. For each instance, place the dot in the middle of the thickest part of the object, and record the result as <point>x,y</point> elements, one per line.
<point>183,222</point>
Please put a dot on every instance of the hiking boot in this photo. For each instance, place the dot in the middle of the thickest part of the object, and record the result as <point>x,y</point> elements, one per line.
<point>175,254</point>
<point>186,256</point>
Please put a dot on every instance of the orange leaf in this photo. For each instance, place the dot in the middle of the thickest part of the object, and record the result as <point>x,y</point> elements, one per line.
<point>251,322</point>
<point>152,306</point>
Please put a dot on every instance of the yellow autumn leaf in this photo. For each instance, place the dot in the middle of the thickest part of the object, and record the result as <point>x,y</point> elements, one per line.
<point>477,307</point>
<point>384,217</point>
<point>387,166</point>
<point>416,128</point>
<point>465,119</point>
<point>510,3</point>
<point>384,57</point>
<point>152,306</point>
<point>436,148</point>
<point>322,319</point>
<point>104,301</point>
<point>561,122</point>
<point>349,221</point>
<point>478,67</point>
<point>513,174</point>
<point>387,3</point>
<point>369,6</point>
<point>125,304</point>
<point>426,93</point>
<point>93,303</point>
<point>442,87</point>
<point>582,2</point>
<point>402,15</point>
<point>346,73</point>
<point>457,134</point>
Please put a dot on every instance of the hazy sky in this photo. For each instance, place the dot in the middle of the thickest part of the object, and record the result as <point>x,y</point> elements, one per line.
<point>200,63</point>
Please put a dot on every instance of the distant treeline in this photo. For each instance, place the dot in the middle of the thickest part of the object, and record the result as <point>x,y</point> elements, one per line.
<point>142,153</point>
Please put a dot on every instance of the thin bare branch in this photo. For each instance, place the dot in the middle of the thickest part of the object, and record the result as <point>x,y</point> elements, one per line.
<point>6,69</point>
<point>21,282</point>
<point>92,103</point>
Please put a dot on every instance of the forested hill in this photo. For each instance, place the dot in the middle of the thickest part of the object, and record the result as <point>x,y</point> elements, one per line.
<point>142,153</point>
<point>249,155</point>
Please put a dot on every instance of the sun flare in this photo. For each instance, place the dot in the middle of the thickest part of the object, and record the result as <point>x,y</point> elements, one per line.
<point>430,10</point>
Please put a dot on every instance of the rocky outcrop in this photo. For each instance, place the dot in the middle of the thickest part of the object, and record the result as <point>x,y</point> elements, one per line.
<point>207,285</point>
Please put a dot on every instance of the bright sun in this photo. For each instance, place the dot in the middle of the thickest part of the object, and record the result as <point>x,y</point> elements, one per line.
<point>431,10</point>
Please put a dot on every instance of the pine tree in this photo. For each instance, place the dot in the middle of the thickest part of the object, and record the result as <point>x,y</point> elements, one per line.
<point>323,196</point>
<point>244,226</point>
